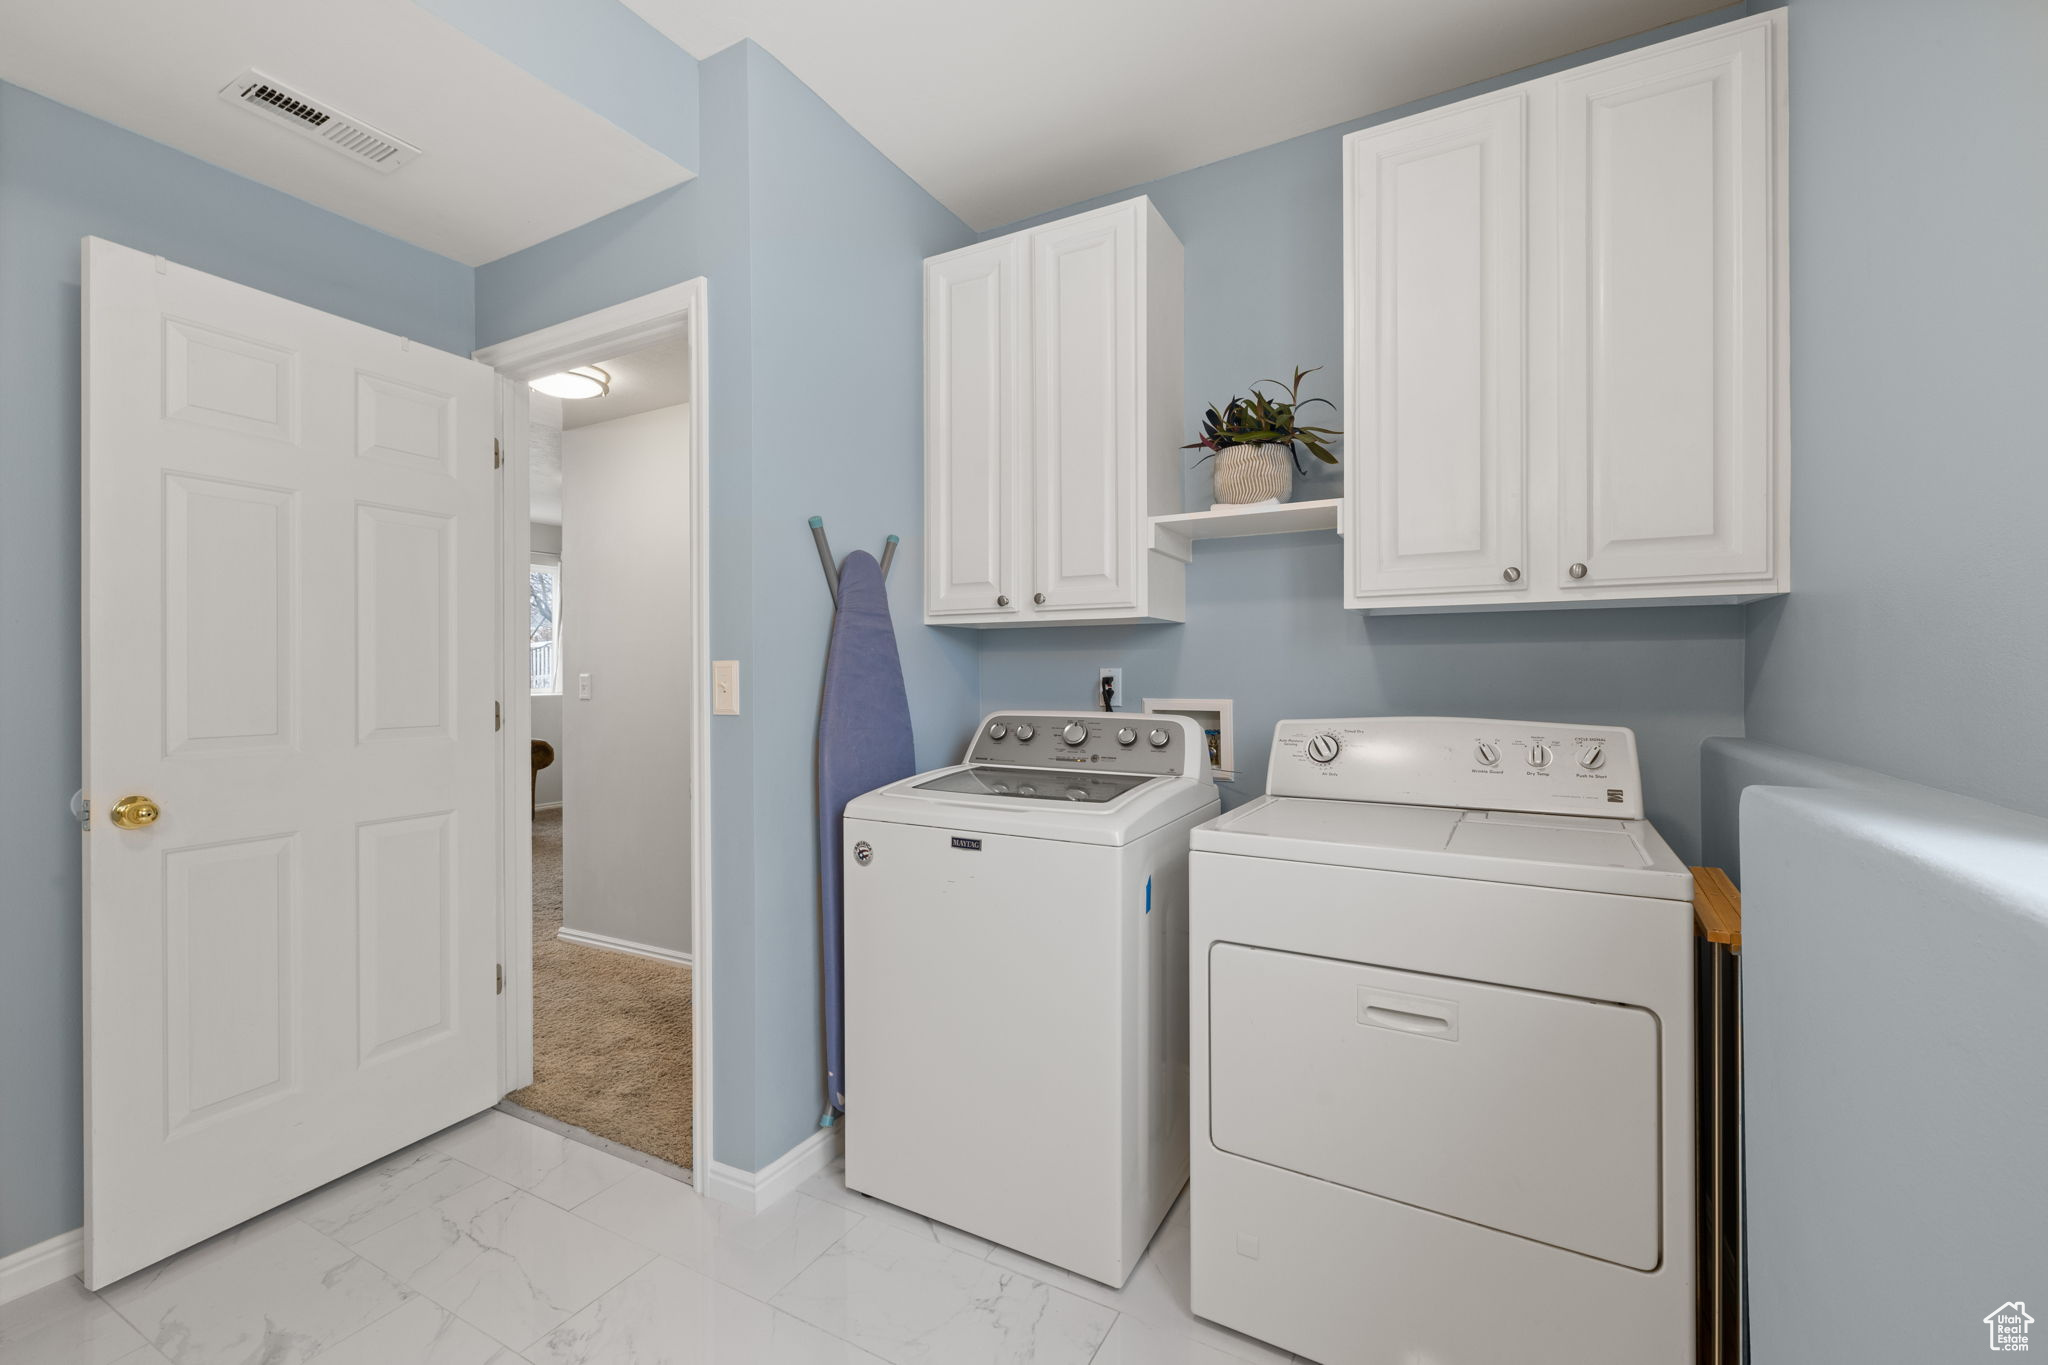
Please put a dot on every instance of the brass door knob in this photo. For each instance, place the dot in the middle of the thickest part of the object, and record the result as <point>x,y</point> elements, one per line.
<point>135,812</point>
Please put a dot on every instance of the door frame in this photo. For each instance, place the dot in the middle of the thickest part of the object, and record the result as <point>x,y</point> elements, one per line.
<point>675,312</point>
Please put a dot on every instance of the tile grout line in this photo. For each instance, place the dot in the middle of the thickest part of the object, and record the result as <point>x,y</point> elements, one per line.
<point>768,1302</point>
<point>521,1351</point>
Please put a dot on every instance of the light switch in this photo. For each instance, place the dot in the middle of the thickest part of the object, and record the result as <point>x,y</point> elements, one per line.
<point>583,687</point>
<point>725,687</point>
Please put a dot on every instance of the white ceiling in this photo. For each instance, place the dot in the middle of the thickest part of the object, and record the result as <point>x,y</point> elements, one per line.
<point>489,131</point>
<point>656,376</point>
<point>1002,111</point>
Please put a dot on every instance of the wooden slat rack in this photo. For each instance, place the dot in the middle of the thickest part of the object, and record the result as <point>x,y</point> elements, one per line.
<point>1717,915</point>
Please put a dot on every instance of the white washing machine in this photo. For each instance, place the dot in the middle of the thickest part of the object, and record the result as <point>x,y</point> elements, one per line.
<point>1442,1049</point>
<point>1016,984</point>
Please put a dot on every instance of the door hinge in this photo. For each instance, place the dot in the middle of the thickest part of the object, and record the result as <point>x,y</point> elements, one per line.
<point>497,715</point>
<point>497,454</point>
<point>501,978</point>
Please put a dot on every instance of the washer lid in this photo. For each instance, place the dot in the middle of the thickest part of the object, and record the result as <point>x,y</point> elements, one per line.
<point>1568,852</point>
<point>1075,807</point>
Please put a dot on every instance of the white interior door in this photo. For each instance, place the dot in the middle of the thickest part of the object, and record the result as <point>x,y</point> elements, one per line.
<point>290,649</point>
<point>1436,265</point>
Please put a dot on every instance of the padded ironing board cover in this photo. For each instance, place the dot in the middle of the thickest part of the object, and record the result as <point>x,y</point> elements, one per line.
<point>863,743</point>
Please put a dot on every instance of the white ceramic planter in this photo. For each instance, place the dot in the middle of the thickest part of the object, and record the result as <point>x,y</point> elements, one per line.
<point>1253,474</point>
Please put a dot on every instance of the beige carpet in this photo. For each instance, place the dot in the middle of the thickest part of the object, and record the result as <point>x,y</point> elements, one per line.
<point>611,1032</point>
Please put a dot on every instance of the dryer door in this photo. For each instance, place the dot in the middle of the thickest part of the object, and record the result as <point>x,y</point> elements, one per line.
<point>1530,1113</point>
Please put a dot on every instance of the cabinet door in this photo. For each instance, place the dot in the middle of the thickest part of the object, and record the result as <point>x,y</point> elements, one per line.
<point>1086,420</point>
<point>1666,287</point>
<point>974,410</point>
<point>1437,284</point>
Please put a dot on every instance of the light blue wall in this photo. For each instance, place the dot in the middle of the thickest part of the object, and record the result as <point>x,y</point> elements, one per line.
<point>812,246</point>
<point>63,176</point>
<point>1914,642</point>
<point>1266,625</point>
<point>598,53</point>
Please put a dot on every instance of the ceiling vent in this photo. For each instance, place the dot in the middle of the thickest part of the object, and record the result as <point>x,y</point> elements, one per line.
<point>353,138</point>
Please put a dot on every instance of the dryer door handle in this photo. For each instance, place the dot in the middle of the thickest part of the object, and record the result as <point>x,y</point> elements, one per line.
<point>1422,1015</point>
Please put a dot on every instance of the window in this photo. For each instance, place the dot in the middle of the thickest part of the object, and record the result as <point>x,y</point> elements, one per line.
<point>544,593</point>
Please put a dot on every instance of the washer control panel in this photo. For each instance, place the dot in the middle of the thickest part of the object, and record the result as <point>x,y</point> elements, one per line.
<point>1106,741</point>
<point>1475,764</point>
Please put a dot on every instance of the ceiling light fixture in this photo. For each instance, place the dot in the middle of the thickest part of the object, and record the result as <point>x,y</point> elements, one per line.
<point>585,381</point>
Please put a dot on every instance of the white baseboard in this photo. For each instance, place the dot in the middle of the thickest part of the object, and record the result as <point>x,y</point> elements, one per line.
<point>756,1190</point>
<point>620,945</point>
<point>41,1265</point>
<point>540,806</point>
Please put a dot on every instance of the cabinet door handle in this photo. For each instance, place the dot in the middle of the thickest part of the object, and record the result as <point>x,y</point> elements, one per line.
<point>1577,571</point>
<point>1511,574</point>
<point>1003,601</point>
<point>1039,598</point>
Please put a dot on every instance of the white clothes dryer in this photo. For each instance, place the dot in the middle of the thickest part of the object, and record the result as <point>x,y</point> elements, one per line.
<point>1016,984</point>
<point>1442,1051</point>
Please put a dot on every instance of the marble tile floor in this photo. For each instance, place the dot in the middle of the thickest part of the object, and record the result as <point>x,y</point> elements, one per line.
<point>499,1242</point>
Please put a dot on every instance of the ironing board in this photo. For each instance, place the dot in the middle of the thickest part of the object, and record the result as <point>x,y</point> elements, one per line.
<point>864,742</point>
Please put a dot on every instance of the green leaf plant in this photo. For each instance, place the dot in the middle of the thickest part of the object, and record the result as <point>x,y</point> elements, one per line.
<point>1259,420</point>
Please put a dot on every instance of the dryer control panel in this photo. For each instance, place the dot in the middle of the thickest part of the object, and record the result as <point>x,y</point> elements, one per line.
<point>1101,741</point>
<point>1519,765</point>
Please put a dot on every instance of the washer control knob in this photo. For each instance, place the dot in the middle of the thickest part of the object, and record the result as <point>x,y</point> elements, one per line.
<point>1075,732</point>
<point>1539,755</point>
<point>1024,734</point>
<point>998,730</point>
<point>1127,736</point>
<point>1489,754</point>
<point>1593,757</point>
<point>1324,748</point>
<point>1158,739</point>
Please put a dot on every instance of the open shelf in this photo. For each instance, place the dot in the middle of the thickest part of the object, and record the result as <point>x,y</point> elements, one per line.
<point>1176,534</point>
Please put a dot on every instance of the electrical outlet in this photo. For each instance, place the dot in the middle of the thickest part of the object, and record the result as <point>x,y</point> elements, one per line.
<point>1113,678</point>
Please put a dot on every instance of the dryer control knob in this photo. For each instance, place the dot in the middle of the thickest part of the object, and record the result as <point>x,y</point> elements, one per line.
<point>1127,736</point>
<point>1489,754</point>
<point>1593,757</point>
<point>1158,739</point>
<point>1024,734</point>
<point>1324,748</point>
<point>998,730</point>
<point>1075,732</point>
<point>1539,755</point>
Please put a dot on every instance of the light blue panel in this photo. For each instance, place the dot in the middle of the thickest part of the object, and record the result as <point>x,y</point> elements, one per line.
<point>64,176</point>
<point>839,237</point>
<point>1263,233</point>
<point>1894,945</point>
<point>598,53</point>
<point>1730,767</point>
<point>1267,628</point>
<point>1912,640</point>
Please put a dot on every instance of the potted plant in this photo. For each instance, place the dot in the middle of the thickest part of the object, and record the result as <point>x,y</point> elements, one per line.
<point>1257,443</point>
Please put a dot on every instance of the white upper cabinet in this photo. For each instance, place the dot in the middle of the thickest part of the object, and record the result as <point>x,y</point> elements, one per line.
<point>1052,423</point>
<point>1666,277</point>
<point>1438,454</point>
<point>975,423</point>
<point>1566,349</point>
